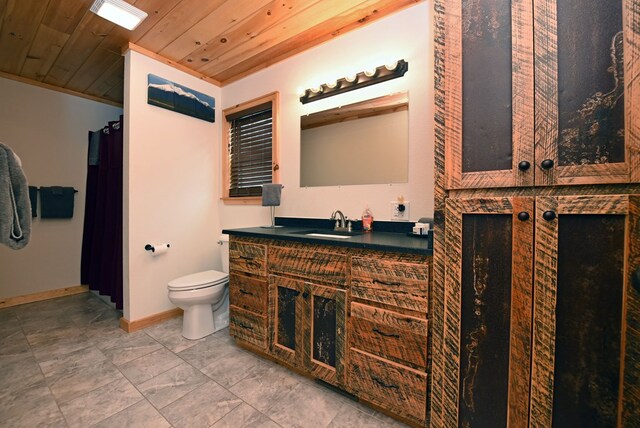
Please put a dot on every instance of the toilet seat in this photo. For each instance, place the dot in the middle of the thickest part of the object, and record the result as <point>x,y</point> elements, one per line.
<point>197,281</point>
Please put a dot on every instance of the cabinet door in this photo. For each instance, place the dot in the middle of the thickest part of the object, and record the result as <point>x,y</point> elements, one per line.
<point>485,362</point>
<point>586,335</point>
<point>587,95</point>
<point>286,318</point>
<point>324,335</point>
<point>488,105</point>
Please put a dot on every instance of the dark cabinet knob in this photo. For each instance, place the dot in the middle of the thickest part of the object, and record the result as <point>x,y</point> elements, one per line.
<point>305,295</point>
<point>549,215</point>
<point>523,216</point>
<point>524,165</point>
<point>546,164</point>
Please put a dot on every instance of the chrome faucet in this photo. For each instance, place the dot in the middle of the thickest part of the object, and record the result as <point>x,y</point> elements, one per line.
<point>342,224</point>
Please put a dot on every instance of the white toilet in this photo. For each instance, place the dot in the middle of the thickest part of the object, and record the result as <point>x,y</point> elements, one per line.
<point>204,298</point>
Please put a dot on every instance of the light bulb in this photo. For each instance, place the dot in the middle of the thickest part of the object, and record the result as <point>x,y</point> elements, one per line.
<point>332,84</point>
<point>371,72</point>
<point>316,89</point>
<point>391,65</point>
<point>351,78</point>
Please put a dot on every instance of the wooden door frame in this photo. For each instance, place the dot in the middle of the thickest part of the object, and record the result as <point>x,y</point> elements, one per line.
<point>521,302</point>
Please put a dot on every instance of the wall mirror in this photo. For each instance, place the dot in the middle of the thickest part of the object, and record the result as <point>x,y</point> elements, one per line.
<point>362,143</point>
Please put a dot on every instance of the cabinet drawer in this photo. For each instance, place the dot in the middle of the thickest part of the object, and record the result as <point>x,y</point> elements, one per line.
<point>248,326</point>
<point>250,258</point>
<point>405,285</point>
<point>389,385</point>
<point>248,293</point>
<point>390,335</point>
<point>309,264</point>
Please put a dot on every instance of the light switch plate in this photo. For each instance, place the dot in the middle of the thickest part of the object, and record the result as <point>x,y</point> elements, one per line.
<point>397,214</point>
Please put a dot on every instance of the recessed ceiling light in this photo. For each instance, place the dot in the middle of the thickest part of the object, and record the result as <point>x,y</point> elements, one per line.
<point>119,12</point>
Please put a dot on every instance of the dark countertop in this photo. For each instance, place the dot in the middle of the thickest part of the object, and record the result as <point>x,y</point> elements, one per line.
<point>375,240</point>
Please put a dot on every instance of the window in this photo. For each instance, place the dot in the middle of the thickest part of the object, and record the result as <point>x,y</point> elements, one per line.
<point>249,152</point>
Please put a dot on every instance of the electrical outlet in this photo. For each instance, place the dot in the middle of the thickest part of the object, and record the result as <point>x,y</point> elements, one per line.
<point>399,211</point>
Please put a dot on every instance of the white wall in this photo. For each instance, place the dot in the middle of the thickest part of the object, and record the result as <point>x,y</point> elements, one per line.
<point>171,187</point>
<point>48,131</point>
<point>405,35</point>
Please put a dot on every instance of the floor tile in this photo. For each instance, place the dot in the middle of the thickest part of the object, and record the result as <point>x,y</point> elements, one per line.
<point>67,385</point>
<point>306,406</point>
<point>201,407</point>
<point>14,342</point>
<point>206,352</point>
<point>17,373</point>
<point>46,414</point>
<point>124,349</point>
<point>61,348</point>
<point>169,333</point>
<point>72,361</point>
<point>8,314</point>
<point>245,416</point>
<point>373,412</point>
<point>40,337</point>
<point>147,367</point>
<point>26,399</point>
<point>349,417</point>
<point>232,367</point>
<point>9,326</point>
<point>171,385</point>
<point>140,415</point>
<point>263,387</point>
<point>224,336</point>
<point>100,403</point>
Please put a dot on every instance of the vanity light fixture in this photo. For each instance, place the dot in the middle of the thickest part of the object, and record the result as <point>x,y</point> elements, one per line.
<point>356,81</point>
<point>119,12</point>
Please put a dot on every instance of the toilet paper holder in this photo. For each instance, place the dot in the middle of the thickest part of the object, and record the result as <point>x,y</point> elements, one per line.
<point>151,248</point>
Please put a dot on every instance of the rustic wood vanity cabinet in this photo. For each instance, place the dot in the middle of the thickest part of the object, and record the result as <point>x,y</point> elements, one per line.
<point>357,319</point>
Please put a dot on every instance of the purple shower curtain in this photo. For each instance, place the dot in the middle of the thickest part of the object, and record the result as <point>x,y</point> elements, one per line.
<point>101,266</point>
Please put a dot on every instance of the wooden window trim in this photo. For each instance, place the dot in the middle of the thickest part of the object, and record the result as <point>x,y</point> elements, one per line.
<point>274,98</point>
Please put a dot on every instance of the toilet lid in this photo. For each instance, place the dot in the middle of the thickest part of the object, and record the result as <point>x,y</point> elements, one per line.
<point>198,280</point>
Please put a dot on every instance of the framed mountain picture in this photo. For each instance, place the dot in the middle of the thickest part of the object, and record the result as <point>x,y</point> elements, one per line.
<point>172,96</point>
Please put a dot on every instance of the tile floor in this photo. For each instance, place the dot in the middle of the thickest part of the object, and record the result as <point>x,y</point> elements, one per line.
<point>66,363</point>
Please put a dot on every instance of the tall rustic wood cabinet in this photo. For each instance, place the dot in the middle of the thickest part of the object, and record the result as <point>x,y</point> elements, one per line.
<point>536,300</point>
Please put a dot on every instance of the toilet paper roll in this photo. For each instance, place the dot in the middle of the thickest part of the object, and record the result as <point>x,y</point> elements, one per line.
<point>157,249</point>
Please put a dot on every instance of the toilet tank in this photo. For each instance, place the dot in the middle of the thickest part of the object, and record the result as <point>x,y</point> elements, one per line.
<point>224,252</point>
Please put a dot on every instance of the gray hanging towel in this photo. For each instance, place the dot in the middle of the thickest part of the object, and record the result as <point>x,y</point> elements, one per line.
<point>271,195</point>
<point>15,206</point>
<point>56,202</point>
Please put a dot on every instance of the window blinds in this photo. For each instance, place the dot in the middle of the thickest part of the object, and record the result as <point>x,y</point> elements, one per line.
<point>250,150</point>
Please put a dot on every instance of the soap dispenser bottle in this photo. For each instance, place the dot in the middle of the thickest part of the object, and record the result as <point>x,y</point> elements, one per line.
<point>367,220</point>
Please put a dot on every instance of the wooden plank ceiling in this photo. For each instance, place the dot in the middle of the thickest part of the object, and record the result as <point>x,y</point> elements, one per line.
<point>62,44</point>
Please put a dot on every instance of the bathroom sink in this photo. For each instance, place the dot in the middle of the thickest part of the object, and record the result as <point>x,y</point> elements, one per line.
<point>327,233</point>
